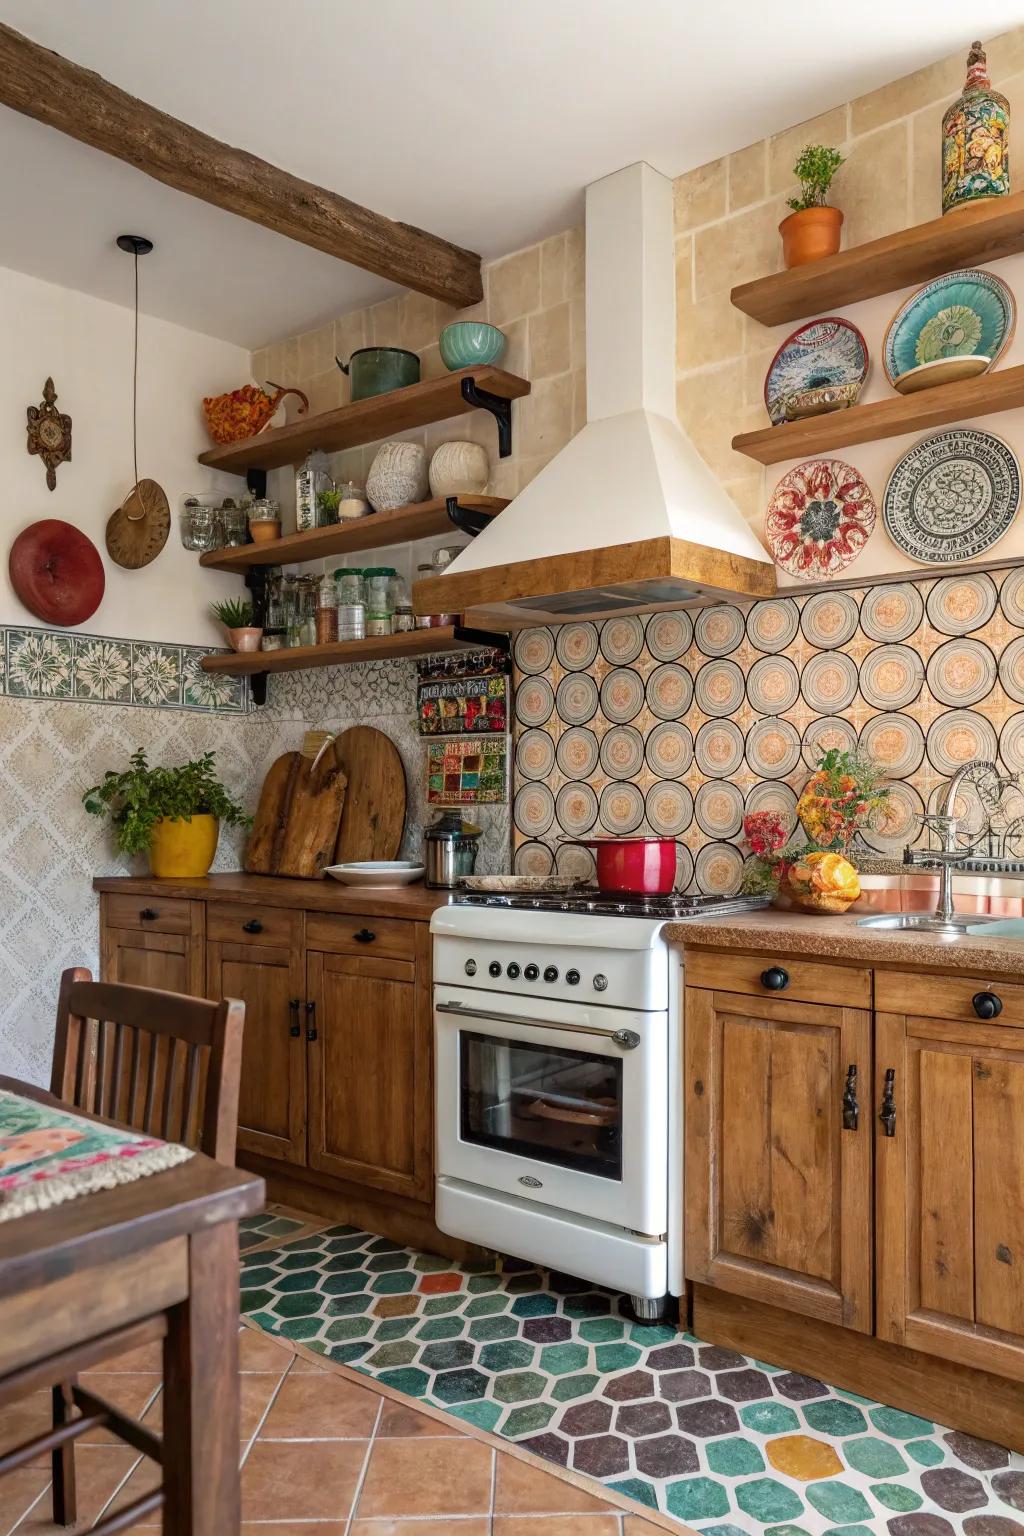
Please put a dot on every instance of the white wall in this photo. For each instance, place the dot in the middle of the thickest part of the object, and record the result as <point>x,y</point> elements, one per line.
<point>86,345</point>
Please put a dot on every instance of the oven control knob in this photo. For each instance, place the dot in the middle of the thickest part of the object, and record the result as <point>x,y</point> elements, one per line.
<point>512,971</point>
<point>532,972</point>
<point>551,973</point>
<point>573,978</point>
<point>470,967</point>
<point>600,983</point>
<point>494,969</point>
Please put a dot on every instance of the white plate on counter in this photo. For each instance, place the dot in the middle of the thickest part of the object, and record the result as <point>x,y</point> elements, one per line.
<point>381,873</point>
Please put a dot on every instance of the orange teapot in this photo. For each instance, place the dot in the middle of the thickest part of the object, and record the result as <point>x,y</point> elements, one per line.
<point>245,411</point>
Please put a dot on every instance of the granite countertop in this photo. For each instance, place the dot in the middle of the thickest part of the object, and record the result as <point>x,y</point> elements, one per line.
<point>839,938</point>
<point>411,901</point>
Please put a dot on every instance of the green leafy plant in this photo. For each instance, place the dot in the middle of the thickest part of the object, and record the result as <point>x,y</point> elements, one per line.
<point>815,167</point>
<point>140,796</point>
<point>233,613</point>
<point>328,501</point>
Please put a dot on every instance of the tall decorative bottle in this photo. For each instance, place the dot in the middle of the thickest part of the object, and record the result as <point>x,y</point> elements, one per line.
<point>975,139</point>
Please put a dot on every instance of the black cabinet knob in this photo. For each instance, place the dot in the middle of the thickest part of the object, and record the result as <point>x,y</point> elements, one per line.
<point>148,915</point>
<point>987,1005</point>
<point>775,978</point>
<point>252,926</point>
<point>364,936</point>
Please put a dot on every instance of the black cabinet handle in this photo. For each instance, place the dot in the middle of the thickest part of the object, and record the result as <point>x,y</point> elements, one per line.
<point>294,1028</point>
<point>887,1113</point>
<point>851,1109</point>
<point>987,1005</point>
<point>311,1033</point>
<point>364,936</point>
<point>252,926</point>
<point>775,978</point>
<point>148,914</point>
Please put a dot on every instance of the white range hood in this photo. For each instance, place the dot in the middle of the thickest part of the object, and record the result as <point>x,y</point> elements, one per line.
<point>627,516</point>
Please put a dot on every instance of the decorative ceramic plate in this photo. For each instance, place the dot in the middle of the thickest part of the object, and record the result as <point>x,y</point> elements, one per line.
<point>962,672</point>
<point>958,604</point>
<point>956,737</point>
<point>773,685</point>
<point>718,688</point>
<point>535,701</point>
<point>962,314</point>
<point>1011,597</point>
<point>622,640</point>
<point>819,518</point>
<point>380,873</point>
<point>719,808</point>
<point>534,649</point>
<point>829,682</point>
<point>718,630</point>
<point>891,612</point>
<point>669,809</point>
<point>669,691</point>
<point>535,754</point>
<point>577,752</point>
<point>622,695</point>
<point>824,735</point>
<point>1011,669</point>
<point>773,748</point>
<point>952,496</point>
<point>718,748</point>
<point>576,808</point>
<point>622,752</point>
<point>829,619</point>
<point>576,646</point>
<point>898,823</point>
<point>891,676</point>
<point>622,808</point>
<point>669,749</point>
<point>577,699</point>
<point>821,353</point>
<point>534,809</point>
<point>773,624</point>
<point>669,635</point>
<point>895,742</point>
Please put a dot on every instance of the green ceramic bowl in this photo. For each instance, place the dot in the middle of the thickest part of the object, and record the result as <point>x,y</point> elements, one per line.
<point>470,344</point>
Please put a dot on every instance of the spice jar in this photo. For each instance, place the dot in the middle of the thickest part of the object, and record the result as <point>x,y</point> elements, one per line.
<point>378,600</point>
<point>352,500</point>
<point>326,611</point>
<point>350,585</point>
<point>264,520</point>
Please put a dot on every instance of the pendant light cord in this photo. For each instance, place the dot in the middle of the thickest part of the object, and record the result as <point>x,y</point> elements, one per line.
<point>135,379</point>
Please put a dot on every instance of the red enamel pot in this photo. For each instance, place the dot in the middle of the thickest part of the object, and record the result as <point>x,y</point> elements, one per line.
<point>634,866</point>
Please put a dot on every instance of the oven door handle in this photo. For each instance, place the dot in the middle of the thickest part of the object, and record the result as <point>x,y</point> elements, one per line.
<point>628,1039</point>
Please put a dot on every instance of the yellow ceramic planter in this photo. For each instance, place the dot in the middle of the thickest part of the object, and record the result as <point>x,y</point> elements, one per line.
<point>183,850</point>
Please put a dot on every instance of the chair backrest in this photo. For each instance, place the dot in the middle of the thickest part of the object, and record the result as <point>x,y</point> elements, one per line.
<point>160,1062</point>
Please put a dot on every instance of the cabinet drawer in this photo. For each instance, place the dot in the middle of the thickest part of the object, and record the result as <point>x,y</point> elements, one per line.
<point>945,997</point>
<point>394,936</point>
<point>252,923</point>
<point>806,981</point>
<point>152,914</point>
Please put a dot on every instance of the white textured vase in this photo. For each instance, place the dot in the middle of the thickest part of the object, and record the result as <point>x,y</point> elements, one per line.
<point>459,469</point>
<point>398,475</point>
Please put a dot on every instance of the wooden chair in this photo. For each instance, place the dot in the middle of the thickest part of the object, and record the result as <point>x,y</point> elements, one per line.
<point>167,1065</point>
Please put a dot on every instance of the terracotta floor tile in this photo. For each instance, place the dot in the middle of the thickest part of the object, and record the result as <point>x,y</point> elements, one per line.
<point>556,1525</point>
<point>523,1489</point>
<point>303,1364</point>
<point>147,1358</point>
<point>636,1525</point>
<point>130,1393</point>
<point>259,1352</point>
<point>308,1481</point>
<point>293,1528</point>
<point>19,1491</point>
<point>24,1420</point>
<point>318,1406</point>
<point>256,1388</point>
<point>400,1421</point>
<point>473,1525</point>
<point>98,1470</point>
<point>427,1477</point>
<point>144,1479</point>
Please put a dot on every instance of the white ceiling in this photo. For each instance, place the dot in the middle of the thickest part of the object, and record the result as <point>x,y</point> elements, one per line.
<point>480,120</point>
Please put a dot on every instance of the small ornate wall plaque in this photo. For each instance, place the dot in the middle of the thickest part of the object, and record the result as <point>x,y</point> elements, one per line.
<point>49,433</point>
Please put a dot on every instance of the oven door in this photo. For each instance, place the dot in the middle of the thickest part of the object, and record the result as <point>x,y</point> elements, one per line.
<point>558,1103</point>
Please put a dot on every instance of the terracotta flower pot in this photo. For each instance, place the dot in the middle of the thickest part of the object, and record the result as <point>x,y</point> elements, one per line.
<point>247,639</point>
<point>183,850</point>
<point>810,235</point>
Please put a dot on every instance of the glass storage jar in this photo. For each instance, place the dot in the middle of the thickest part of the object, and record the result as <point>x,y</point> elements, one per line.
<point>326,611</point>
<point>378,600</point>
<point>350,584</point>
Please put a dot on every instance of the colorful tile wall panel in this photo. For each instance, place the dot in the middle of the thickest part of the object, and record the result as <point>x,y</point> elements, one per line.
<point>466,771</point>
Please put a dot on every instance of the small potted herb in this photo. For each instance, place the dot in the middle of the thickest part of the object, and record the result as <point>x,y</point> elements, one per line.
<point>813,229</point>
<point>327,503</point>
<point>174,814</point>
<point>236,616</point>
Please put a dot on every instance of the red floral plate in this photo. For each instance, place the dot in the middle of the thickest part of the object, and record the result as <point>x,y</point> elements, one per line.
<point>819,518</point>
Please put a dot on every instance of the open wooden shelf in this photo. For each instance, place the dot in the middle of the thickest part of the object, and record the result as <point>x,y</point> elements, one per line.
<point>1002,390</point>
<point>421,520</point>
<point>364,421</point>
<point>300,658</point>
<point>981,233</point>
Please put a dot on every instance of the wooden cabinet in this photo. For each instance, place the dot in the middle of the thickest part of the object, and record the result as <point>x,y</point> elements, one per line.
<point>777,1190</point>
<point>152,943</point>
<point>950,1177</point>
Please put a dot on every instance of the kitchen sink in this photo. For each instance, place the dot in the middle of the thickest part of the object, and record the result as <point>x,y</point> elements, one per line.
<point>926,922</point>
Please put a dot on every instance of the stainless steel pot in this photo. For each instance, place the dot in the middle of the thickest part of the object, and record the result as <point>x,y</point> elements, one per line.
<point>449,851</point>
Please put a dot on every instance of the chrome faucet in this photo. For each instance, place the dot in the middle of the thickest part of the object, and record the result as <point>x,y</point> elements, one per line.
<point>945,823</point>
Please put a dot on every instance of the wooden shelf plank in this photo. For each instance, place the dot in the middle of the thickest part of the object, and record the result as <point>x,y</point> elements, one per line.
<point>1002,390</point>
<point>300,658</point>
<point>980,233</point>
<point>363,421</point>
<point>421,520</point>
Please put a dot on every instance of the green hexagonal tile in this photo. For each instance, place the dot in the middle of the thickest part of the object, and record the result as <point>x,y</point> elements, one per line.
<point>489,1329</point>
<point>382,1262</point>
<point>927,1453</point>
<point>290,1261</point>
<point>398,1284</point>
<point>480,1306</point>
<point>437,1306</point>
<point>733,1457</point>
<point>251,1301</point>
<point>262,1276</point>
<point>839,1502</point>
<point>343,1263</point>
<point>873,1457</point>
<point>399,1353</point>
<point>512,1355</point>
<point>528,1420</point>
<point>461,1386</point>
<point>482,1413</point>
<point>769,1418</point>
<point>518,1386</point>
<point>449,1356</point>
<point>538,1305</point>
<point>768,1501</point>
<point>394,1328</point>
<point>648,1335</point>
<point>560,1359</point>
<point>696,1498</point>
<point>301,1327</point>
<point>348,1328</point>
<point>901,1426</point>
<point>440,1328</point>
<point>347,1306</point>
<point>412,1382</point>
<point>636,1488</point>
<point>430,1264</point>
<point>567,1388</point>
<point>347,1354</point>
<point>345,1285</point>
<point>897,1496</point>
<point>300,1280</point>
<point>602,1330</point>
<point>478,1284</point>
<point>305,1305</point>
<point>833,1417</point>
<point>616,1357</point>
<point>387,1245</point>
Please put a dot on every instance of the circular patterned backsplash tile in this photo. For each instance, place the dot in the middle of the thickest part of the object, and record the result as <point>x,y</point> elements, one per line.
<point>669,749</point>
<point>773,685</point>
<point>829,682</point>
<point>827,734</point>
<point>535,754</point>
<point>958,736</point>
<point>718,869</point>
<point>669,809</point>
<point>1011,744</point>
<point>577,752</point>
<point>576,646</point>
<point>533,859</point>
<point>773,748</point>
<point>622,695</point>
<point>535,701</point>
<point>577,698</point>
<point>892,676</point>
<point>534,809</point>
<point>718,688</point>
<point>774,624</point>
<point>622,752</point>
<point>621,809</point>
<point>718,808</point>
<point>772,795</point>
<point>684,867</point>
<point>899,823</point>
<point>1011,669</point>
<point>534,649</point>
<point>829,619</point>
<point>1011,597</point>
<point>961,672</point>
<point>622,640</point>
<point>718,748</point>
<point>896,742</point>
<point>669,635</point>
<point>891,612</point>
<point>669,691</point>
<point>718,630</point>
<point>958,604</point>
<point>576,808</point>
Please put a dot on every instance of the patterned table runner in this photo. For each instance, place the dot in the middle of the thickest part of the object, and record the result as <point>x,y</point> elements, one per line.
<point>49,1155</point>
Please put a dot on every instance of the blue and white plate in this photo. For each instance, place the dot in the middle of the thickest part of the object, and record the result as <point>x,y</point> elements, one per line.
<point>823,352</point>
<point>952,497</point>
<point>960,315</point>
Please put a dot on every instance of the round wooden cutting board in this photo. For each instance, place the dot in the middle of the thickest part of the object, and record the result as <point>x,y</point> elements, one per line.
<point>57,572</point>
<point>137,531</point>
<point>373,820</point>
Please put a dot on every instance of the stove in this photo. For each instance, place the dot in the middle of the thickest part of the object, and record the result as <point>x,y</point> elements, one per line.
<point>558,1081</point>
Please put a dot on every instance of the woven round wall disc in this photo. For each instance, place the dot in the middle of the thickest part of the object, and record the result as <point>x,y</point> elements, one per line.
<point>57,572</point>
<point>137,531</point>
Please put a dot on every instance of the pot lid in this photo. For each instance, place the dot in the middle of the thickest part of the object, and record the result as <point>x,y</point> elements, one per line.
<point>57,572</point>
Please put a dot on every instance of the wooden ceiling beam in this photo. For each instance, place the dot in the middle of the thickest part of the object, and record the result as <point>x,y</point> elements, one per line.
<point>76,101</point>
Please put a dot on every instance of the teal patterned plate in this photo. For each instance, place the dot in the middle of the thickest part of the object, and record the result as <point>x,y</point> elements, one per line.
<point>963,314</point>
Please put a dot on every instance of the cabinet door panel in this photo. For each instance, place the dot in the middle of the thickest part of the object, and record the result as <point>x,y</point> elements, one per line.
<point>951,1193</point>
<point>778,1195</point>
<point>370,1075</point>
<point>272,1099</point>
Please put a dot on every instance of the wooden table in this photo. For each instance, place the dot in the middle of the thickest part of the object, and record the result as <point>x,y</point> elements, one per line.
<point>157,1258</point>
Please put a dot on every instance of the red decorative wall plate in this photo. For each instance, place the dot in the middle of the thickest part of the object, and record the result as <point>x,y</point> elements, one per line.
<point>819,518</point>
<point>57,572</point>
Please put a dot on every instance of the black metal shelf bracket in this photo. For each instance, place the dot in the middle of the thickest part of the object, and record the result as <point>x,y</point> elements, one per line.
<point>258,688</point>
<point>469,520</point>
<point>256,480</point>
<point>500,409</point>
<point>256,579</point>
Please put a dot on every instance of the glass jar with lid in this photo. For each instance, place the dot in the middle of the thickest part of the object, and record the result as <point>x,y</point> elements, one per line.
<point>378,599</point>
<point>351,585</point>
<point>326,611</point>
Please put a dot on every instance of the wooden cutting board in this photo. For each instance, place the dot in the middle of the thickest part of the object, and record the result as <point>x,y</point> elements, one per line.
<point>374,816</point>
<point>297,820</point>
